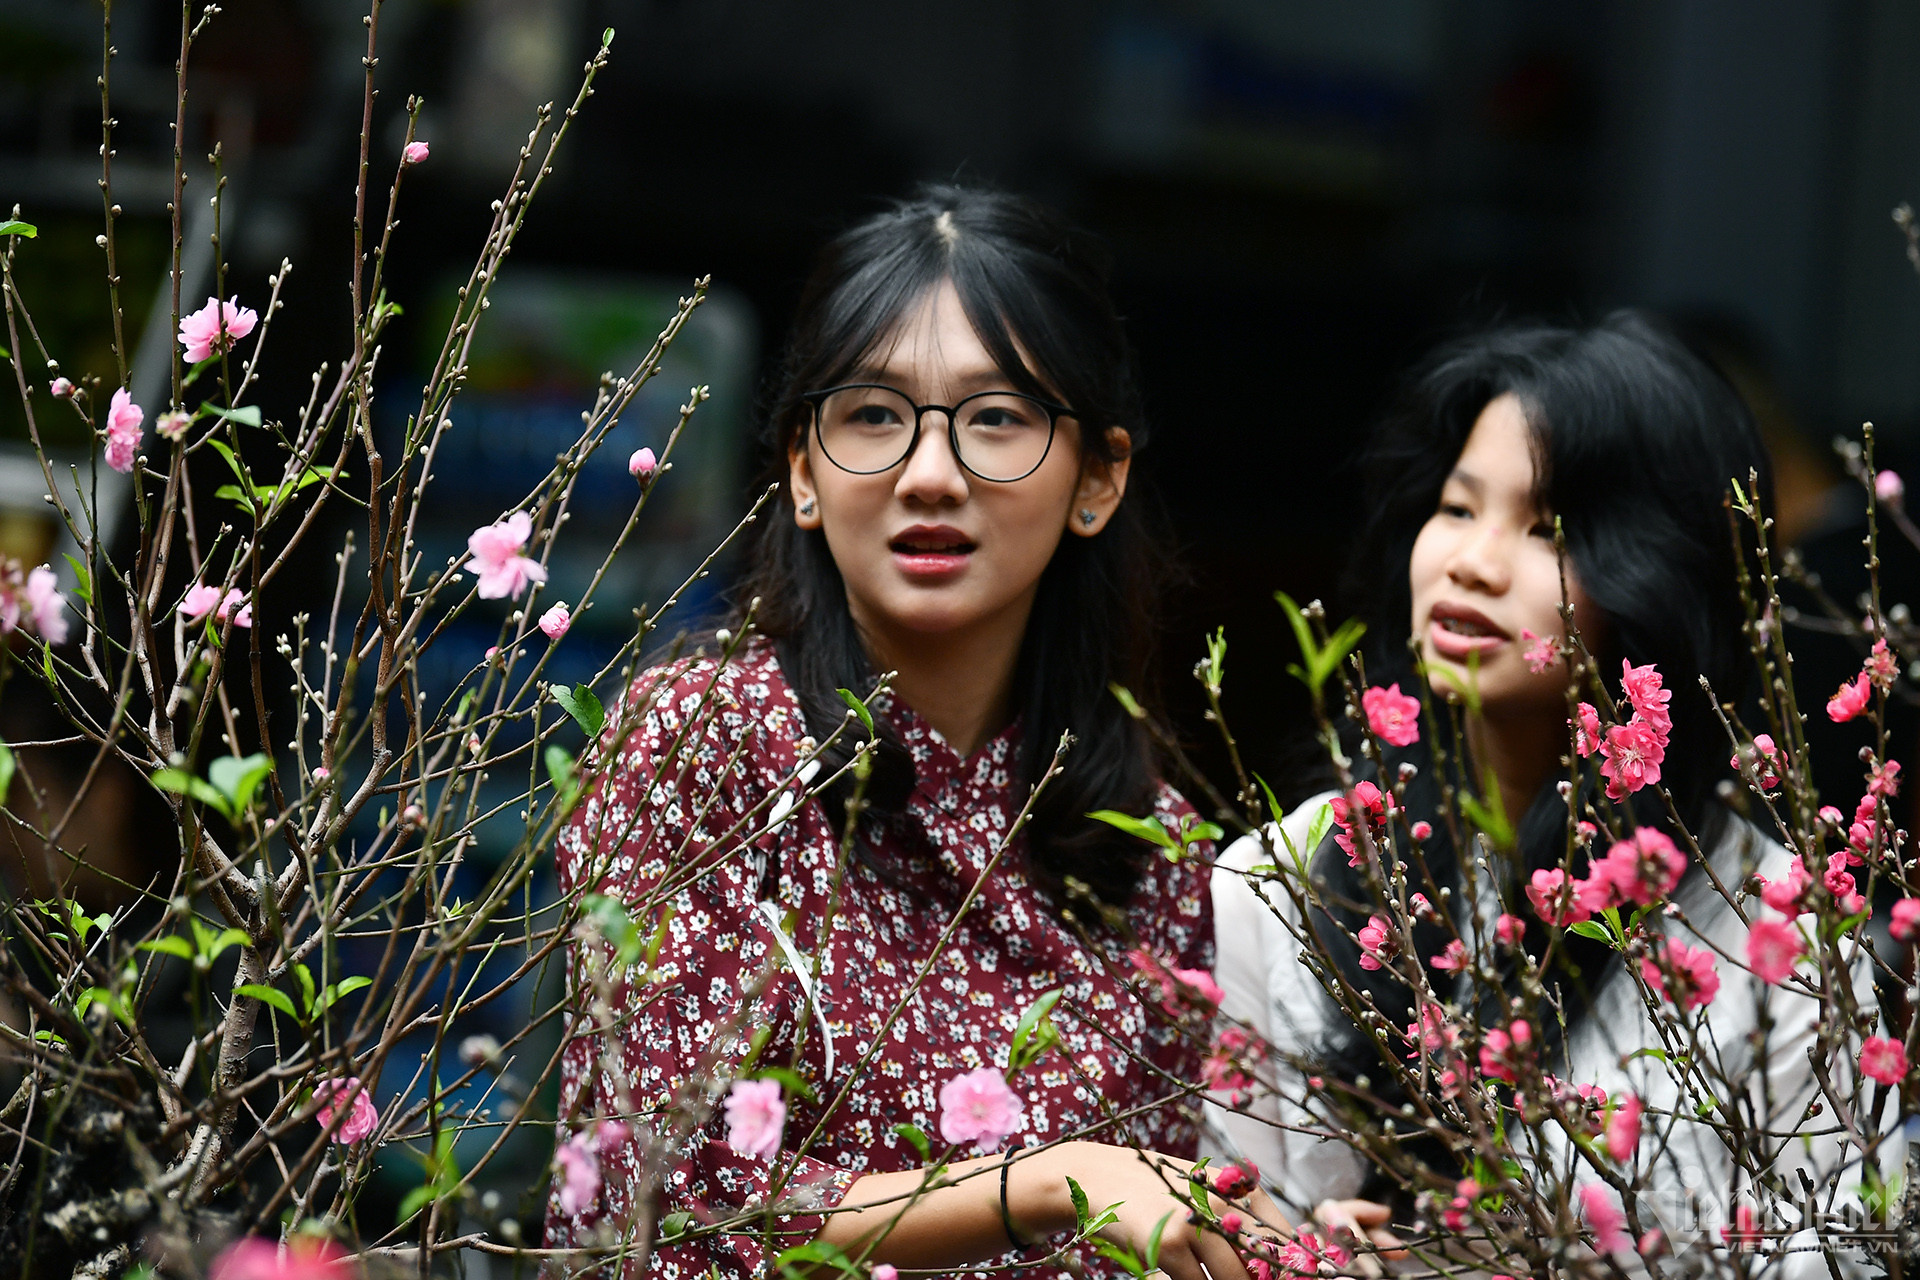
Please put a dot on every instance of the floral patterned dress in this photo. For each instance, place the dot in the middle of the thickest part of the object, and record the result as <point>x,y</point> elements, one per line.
<point>687,807</point>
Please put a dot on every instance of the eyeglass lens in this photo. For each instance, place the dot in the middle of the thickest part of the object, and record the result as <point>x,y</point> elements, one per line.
<point>1000,435</point>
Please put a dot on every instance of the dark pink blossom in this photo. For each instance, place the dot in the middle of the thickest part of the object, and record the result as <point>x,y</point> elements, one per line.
<point>1510,929</point>
<point>1503,1054</point>
<point>1768,762</point>
<point>1885,779</point>
<point>1393,715</point>
<point>1373,805</point>
<point>1695,979</point>
<point>1432,1033</point>
<point>1555,899</point>
<point>1744,1230</point>
<point>1234,1179</point>
<point>1632,755</point>
<point>1453,959</point>
<point>1906,919</point>
<point>1645,691</point>
<point>1851,700</point>
<point>1422,830</point>
<point>1787,896</point>
<point>1883,666</point>
<point>1623,1128</point>
<point>1643,869</point>
<point>1377,942</point>
<point>304,1258</point>
<point>349,1095</point>
<point>1587,735</point>
<point>1883,1059</point>
<point>1773,948</point>
<point>1601,1210</point>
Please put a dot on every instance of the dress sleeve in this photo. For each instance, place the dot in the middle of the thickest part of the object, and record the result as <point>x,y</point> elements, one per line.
<point>665,819</point>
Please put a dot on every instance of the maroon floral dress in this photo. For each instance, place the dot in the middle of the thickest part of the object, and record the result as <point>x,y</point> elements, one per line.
<point>733,734</point>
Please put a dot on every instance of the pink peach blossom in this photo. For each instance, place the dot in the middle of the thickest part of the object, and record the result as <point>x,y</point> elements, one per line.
<point>756,1117</point>
<point>1882,666</point>
<point>1773,947</point>
<point>1200,984</point>
<point>1234,1179</point>
<point>123,431</point>
<point>642,464</point>
<point>1453,959</point>
<point>1883,1059</point>
<point>1696,977</point>
<point>1421,830</point>
<point>172,424</point>
<point>1587,735</point>
<point>415,152</point>
<point>1623,1128</point>
<point>1906,919</point>
<point>61,388</point>
<point>1555,900</point>
<point>304,1258</point>
<point>362,1116</point>
<point>1644,868</point>
<point>1393,715</point>
<point>579,1169</point>
<point>1744,1230</point>
<point>1510,929</point>
<point>1889,487</point>
<point>555,621</point>
<point>1851,700</point>
<point>1601,1209</point>
<point>46,605</point>
<point>1632,754</point>
<point>497,562</point>
<point>978,1107</point>
<point>215,328</point>
<point>1377,942</point>
<point>1787,896</point>
<point>1541,652</point>
<point>1649,697</point>
<point>200,600</point>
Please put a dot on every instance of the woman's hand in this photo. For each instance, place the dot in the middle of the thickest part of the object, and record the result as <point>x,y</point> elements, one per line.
<point>1140,1187</point>
<point>1364,1219</point>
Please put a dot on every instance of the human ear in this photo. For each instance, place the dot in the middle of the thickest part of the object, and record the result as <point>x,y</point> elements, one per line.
<point>806,500</point>
<point>1102,485</point>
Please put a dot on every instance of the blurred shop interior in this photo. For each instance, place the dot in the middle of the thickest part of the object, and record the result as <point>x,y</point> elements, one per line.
<point>1301,197</point>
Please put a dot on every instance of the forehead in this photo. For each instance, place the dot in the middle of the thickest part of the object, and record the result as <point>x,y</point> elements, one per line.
<point>1499,453</point>
<point>933,344</point>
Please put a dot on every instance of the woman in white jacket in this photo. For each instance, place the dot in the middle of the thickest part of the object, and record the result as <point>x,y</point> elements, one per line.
<point>1630,443</point>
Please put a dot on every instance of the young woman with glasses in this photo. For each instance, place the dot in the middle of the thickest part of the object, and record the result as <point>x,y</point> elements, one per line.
<point>1630,442</point>
<point>952,432</point>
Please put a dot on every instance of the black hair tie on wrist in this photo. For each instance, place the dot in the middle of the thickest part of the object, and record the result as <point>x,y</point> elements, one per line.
<point>1006,1214</point>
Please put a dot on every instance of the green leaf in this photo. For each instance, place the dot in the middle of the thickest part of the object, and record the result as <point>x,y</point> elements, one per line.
<point>6,771</point>
<point>170,946</point>
<point>1153,1241</point>
<point>416,1200</point>
<point>15,227</point>
<point>305,976</point>
<point>799,1262</point>
<point>335,991</point>
<point>1147,829</point>
<point>859,709</point>
<point>1274,811</point>
<point>181,782</point>
<point>1036,1034</point>
<point>84,589</point>
<point>917,1138</point>
<point>675,1223</point>
<point>1651,1051</point>
<point>247,415</point>
<point>1588,929</point>
<point>1127,701</point>
<point>566,780</point>
<point>1317,829</point>
<point>237,777</point>
<point>611,920</point>
<point>579,702</point>
<point>233,463</point>
<point>268,995</point>
<point>1080,1210</point>
<point>787,1078</point>
<point>1120,1254</point>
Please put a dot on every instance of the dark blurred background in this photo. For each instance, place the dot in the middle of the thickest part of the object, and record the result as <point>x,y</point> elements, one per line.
<point>1301,197</point>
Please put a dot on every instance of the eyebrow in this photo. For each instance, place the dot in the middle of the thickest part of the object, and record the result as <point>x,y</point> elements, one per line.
<point>1468,480</point>
<point>981,378</point>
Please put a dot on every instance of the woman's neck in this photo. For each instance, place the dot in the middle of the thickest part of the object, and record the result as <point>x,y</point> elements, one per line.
<point>1522,751</point>
<point>958,681</point>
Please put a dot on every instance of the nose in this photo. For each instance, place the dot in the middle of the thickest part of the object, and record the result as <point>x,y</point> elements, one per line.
<point>1483,560</point>
<point>933,474</point>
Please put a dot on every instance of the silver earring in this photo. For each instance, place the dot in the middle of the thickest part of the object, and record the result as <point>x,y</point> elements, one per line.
<point>806,508</point>
<point>1087,517</point>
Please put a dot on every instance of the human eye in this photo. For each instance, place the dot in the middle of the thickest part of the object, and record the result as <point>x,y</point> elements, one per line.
<point>1003,414</point>
<point>1542,528</point>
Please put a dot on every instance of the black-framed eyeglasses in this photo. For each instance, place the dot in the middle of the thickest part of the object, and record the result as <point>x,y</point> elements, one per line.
<point>867,428</point>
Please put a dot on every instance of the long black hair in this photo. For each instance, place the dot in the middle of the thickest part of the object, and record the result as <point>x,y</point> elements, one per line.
<point>1637,443</point>
<point>1028,282</point>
